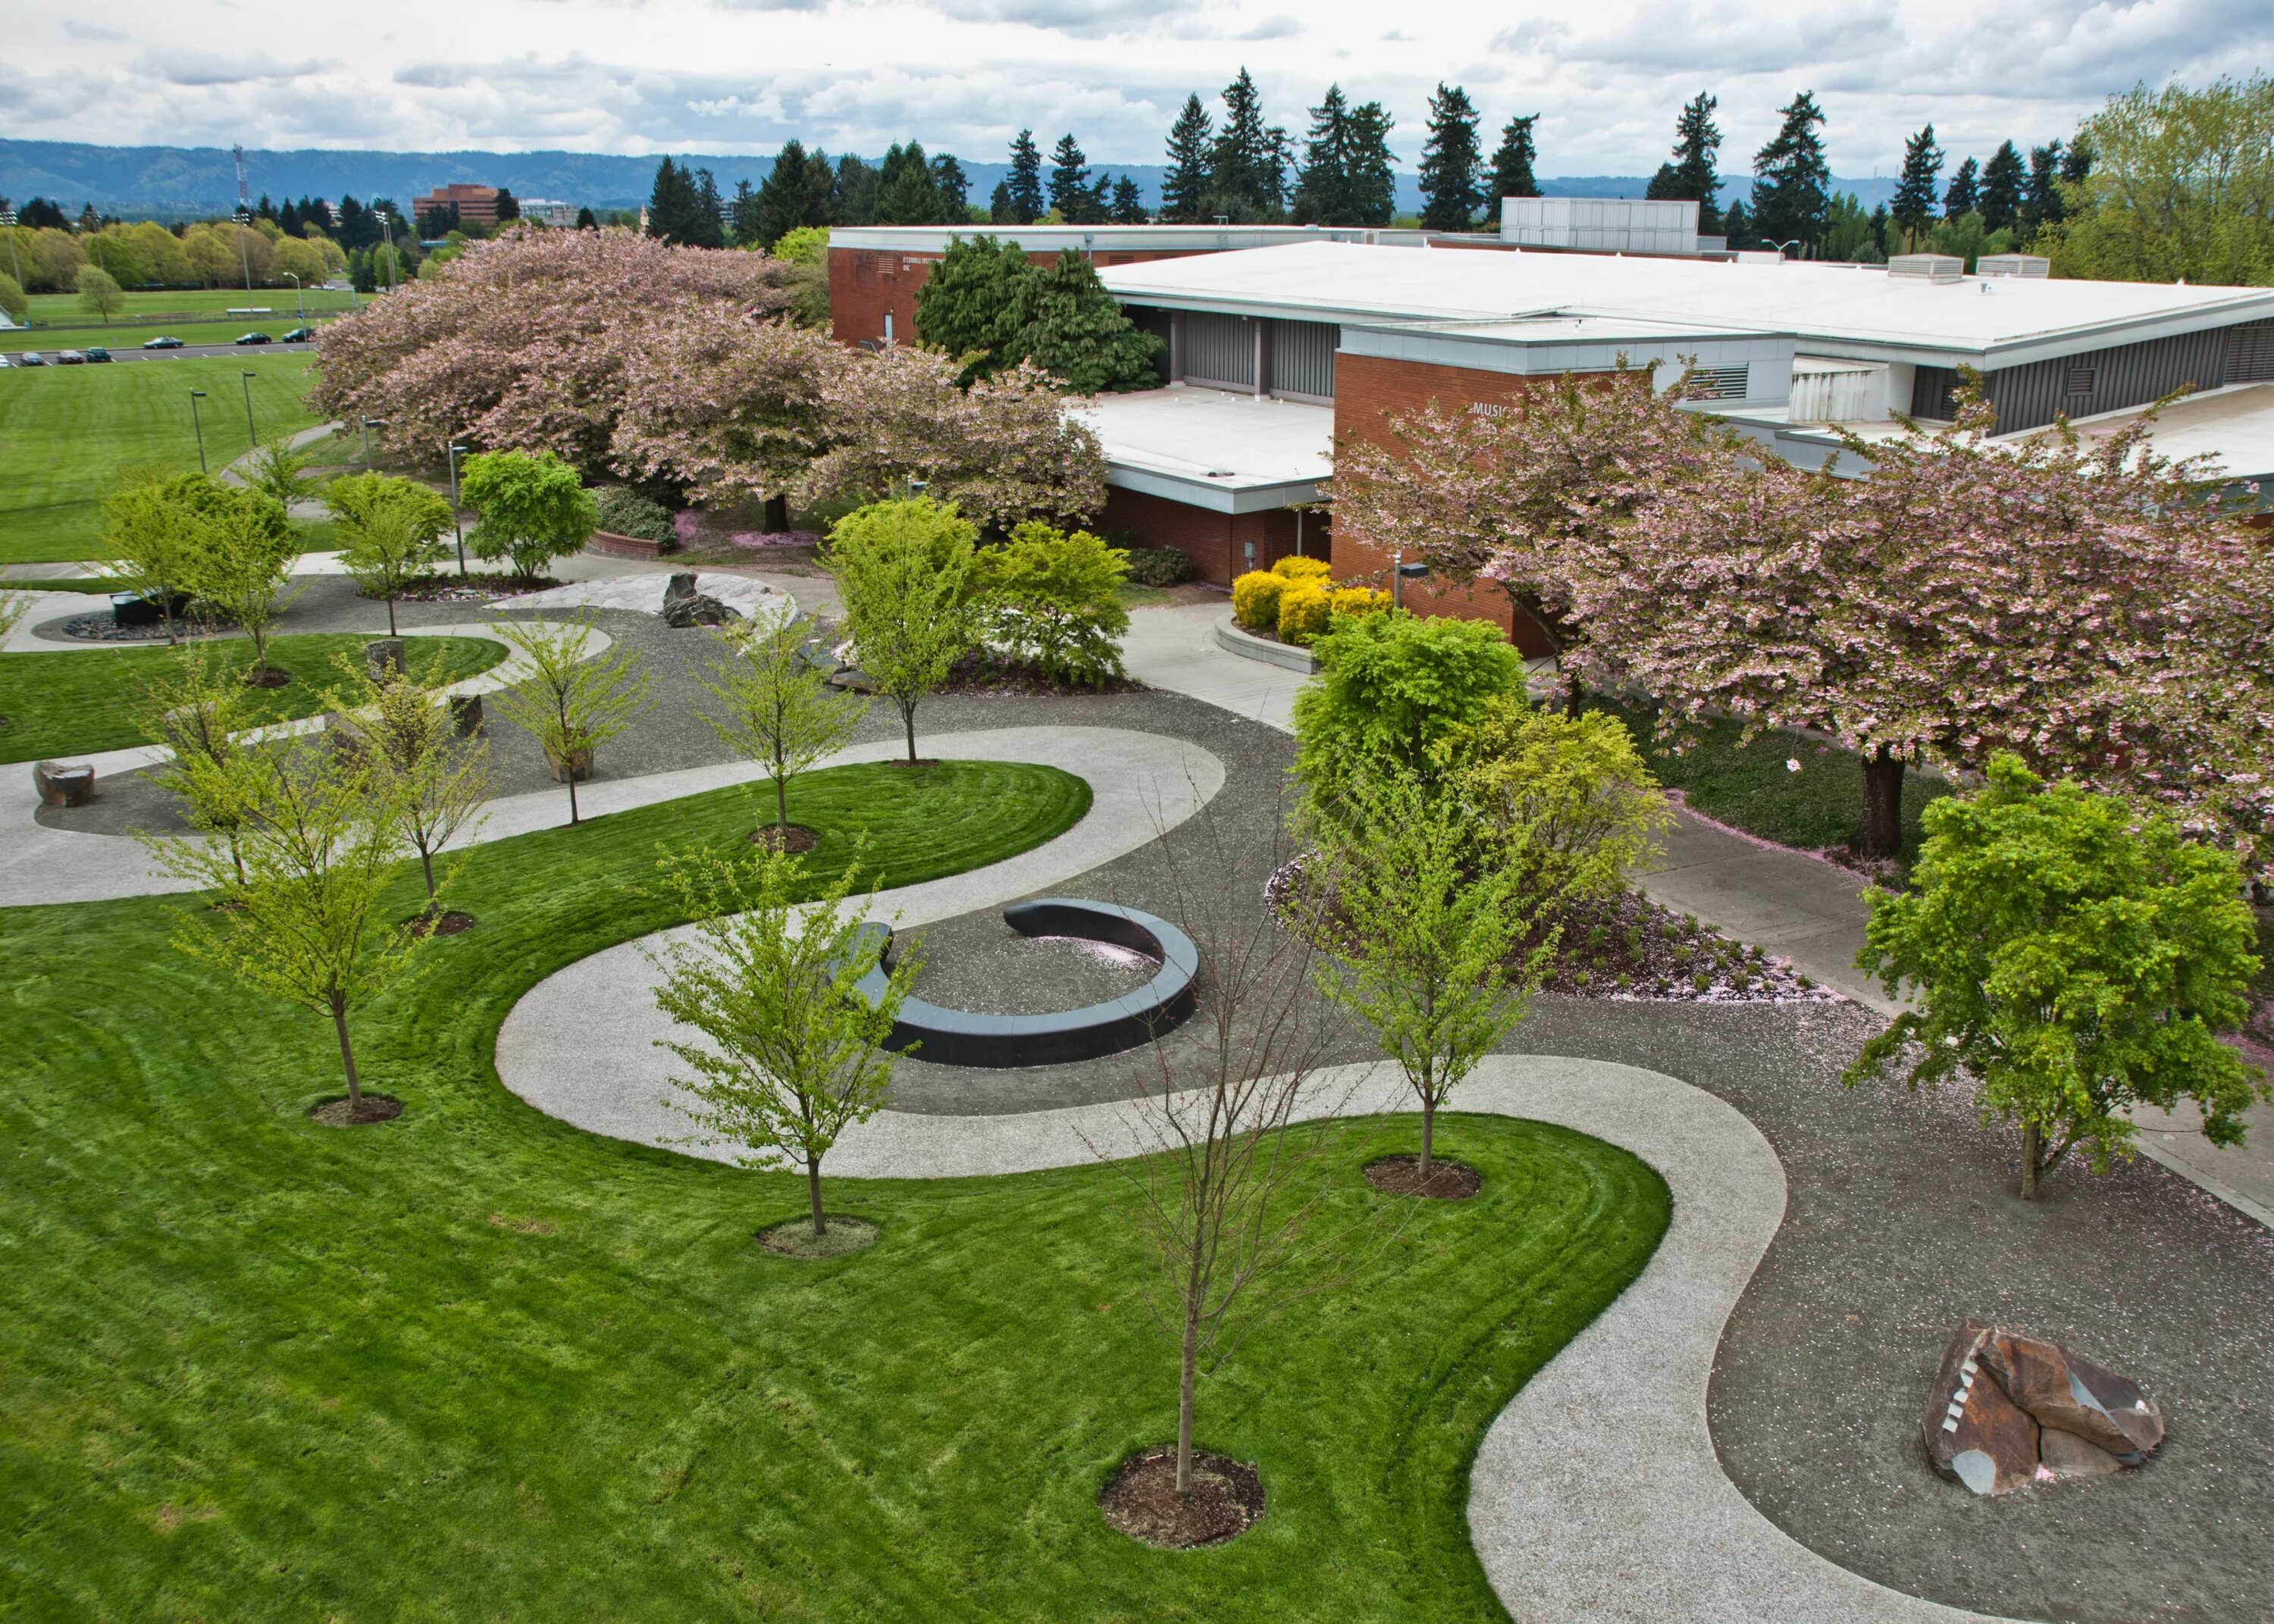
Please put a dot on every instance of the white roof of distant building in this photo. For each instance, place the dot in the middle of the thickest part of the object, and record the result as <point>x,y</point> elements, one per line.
<point>1110,240</point>
<point>1850,310</point>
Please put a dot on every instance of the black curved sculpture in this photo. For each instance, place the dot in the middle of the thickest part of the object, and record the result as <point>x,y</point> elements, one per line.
<point>967,1038</point>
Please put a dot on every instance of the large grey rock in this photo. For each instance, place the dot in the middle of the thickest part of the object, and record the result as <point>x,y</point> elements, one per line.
<point>684,606</point>
<point>2075,1396</point>
<point>383,655</point>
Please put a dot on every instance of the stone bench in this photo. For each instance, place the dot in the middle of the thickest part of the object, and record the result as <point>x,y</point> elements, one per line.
<point>63,784</point>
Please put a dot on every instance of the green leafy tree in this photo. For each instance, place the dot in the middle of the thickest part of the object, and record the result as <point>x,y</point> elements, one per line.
<point>1791,177</point>
<point>1965,237</point>
<point>199,711</point>
<point>969,306</point>
<point>1511,165</point>
<point>1450,162</point>
<point>1425,937</point>
<point>776,706</point>
<point>2003,178</point>
<point>391,531</point>
<point>1965,191</point>
<point>1025,180</point>
<point>436,776</point>
<point>12,301</point>
<point>907,571</point>
<point>806,249</point>
<point>149,544</point>
<point>1054,602</point>
<point>242,551</point>
<point>572,701</point>
<point>792,1052</point>
<point>533,509</point>
<point>98,293</point>
<point>1391,688</point>
<point>278,470</point>
<point>2071,958</point>
<point>319,848</point>
<point>1563,802</point>
<point>1849,234</point>
<point>1185,187</point>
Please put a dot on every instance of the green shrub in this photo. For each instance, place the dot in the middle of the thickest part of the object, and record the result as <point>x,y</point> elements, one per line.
<point>1357,600</point>
<point>1391,688</point>
<point>533,509</point>
<point>627,513</point>
<point>1159,567</point>
<point>1256,600</point>
<point>1053,602</point>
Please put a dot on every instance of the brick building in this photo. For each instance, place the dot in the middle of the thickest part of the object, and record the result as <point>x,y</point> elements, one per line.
<point>475,205</point>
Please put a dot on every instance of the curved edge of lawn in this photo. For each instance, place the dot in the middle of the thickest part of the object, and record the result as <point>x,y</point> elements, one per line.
<point>79,702</point>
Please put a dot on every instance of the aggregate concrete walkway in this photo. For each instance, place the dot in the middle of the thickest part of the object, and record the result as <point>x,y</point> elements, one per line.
<point>1797,907</point>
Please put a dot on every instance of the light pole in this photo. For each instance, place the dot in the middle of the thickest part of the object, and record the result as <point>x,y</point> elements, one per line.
<point>387,231</point>
<point>8,220</point>
<point>1792,242</point>
<point>252,435</point>
<point>299,303</point>
<point>456,523</point>
<point>369,423</point>
<point>1400,573</point>
<point>245,248</point>
<point>196,427</point>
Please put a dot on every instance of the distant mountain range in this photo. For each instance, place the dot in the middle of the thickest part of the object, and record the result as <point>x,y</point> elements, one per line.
<point>170,182</point>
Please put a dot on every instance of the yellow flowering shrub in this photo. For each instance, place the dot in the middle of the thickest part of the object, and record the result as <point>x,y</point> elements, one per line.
<point>1357,600</point>
<point>1304,609</point>
<point>1293,568</point>
<point>1255,599</point>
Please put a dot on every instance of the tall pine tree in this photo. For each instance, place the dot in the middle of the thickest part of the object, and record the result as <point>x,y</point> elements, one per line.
<point>1965,193</point>
<point>1736,224</point>
<point>853,192</point>
<point>1322,182</point>
<point>2041,201</point>
<point>1691,175</point>
<point>1025,182</point>
<point>1791,180</point>
<point>1511,165</point>
<point>1912,209</point>
<point>907,194</point>
<point>1450,162</point>
<point>1247,163</point>
<point>1372,173</point>
<point>709,224</point>
<point>1070,180</point>
<point>1128,206</point>
<point>2002,179</point>
<point>1184,189</point>
<point>952,187</point>
<point>743,217</point>
<point>675,207</point>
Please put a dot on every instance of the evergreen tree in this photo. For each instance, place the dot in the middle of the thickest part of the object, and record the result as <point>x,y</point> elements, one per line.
<point>1373,174</point>
<point>2002,178</point>
<point>796,192</point>
<point>907,195</point>
<point>2077,165</point>
<point>967,306</point>
<point>709,220</point>
<point>743,217</point>
<point>586,220</point>
<point>1791,180</point>
<point>952,187</point>
<point>1736,224</point>
<point>1880,230</point>
<point>288,218</point>
<point>1913,207</point>
<point>1511,166</point>
<point>1184,189</point>
<point>1128,206</point>
<point>356,228</point>
<point>1965,193</point>
<point>265,209</point>
<point>1070,193</point>
<point>1322,182</point>
<point>1691,175</point>
<point>853,192</point>
<point>1072,328</point>
<point>1450,162</point>
<point>1000,209</point>
<point>2041,201</point>
<point>1247,164</point>
<point>675,206</point>
<point>1026,179</point>
<point>315,211</point>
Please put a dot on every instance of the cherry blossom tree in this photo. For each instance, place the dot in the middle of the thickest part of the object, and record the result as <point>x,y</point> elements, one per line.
<point>999,452</point>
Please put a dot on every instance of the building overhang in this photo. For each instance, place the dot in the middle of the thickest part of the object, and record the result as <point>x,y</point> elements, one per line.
<point>1215,495</point>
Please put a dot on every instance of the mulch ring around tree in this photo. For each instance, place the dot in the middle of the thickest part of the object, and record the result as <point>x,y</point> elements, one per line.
<point>375,1108</point>
<point>1141,1500</point>
<point>479,587</point>
<point>773,837</point>
<point>448,923</point>
<point>1448,1181</point>
<point>270,678</point>
<point>794,1238</point>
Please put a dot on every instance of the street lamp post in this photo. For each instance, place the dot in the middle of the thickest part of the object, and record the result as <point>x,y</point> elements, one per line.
<point>369,423</point>
<point>196,427</point>
<point>300,303</point>
<point>244,245</point>
<point>456,523</point>
<point>8,220</point>
<point>1400,573</point>
<point>252,434</point>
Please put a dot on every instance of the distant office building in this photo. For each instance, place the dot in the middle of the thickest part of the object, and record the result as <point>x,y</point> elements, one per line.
<point>549,211</point>
<point>475,205</point>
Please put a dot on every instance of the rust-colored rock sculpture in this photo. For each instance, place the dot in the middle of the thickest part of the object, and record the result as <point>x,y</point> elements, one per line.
<point>2008,1409</point>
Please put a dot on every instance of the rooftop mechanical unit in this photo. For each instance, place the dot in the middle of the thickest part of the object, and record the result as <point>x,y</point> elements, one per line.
<point>2013,265</point>
<point>1927,267</point>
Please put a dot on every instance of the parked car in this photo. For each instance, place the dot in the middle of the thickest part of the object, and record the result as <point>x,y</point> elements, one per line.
<point>297,335</point>
<point>161,343</point>
<point>31,357</point>
<point>98,354</point>
<point>255,338</point>
<point>70,357</point>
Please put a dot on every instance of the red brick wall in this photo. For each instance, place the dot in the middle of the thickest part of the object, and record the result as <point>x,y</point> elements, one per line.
<point>1369,389</point>
<point>1216,542</point>
<point>865,282</point>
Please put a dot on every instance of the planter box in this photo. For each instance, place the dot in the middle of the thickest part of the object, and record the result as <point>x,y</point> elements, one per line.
<point>610,544</point>
<point>1235,639</point>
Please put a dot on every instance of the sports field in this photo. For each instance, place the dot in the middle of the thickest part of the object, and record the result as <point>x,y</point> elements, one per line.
<point>66,433</point>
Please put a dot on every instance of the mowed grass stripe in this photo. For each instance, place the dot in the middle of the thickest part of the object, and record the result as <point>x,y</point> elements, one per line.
<point>478,1364</point>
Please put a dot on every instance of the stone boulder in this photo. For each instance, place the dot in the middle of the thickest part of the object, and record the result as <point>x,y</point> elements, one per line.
<point>383,656</point>
<point>2008,1409</point>
<point>63,784</point>
<point>684,606</point>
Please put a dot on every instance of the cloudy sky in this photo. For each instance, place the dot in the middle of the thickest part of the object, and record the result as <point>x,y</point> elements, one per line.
<point>651,76</point>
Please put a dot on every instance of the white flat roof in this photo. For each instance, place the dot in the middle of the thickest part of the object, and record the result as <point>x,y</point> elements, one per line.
<point>1110,239</point>
<point>1848,311</point>
<point>1212,448</point>
<point>2236,426</point>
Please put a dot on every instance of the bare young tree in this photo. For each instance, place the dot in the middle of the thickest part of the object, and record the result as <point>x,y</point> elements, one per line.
<point>572,701</point>
<point>779,709</point>
<point>199,710</point>
<point>401,718</point>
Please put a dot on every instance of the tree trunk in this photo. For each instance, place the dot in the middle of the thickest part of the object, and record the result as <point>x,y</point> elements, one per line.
<point>237,856</point>
<point>1882,803</point>
<point>781,806</point>
<point>1428,1134</point>
<point>908,716</point>
<point>777,516</point>
<point>390,611</point>
<point>1191,1359</point>
<point>426,862</point>
<point>572,790</point>
<point>347,1056</point>
<point>813,1195</point>
<point>2032,1143</point>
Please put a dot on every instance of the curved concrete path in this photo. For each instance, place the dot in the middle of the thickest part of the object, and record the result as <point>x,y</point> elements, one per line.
<point>39,864</point>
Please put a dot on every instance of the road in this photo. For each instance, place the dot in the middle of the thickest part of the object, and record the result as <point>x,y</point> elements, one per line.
<point>185,351</point>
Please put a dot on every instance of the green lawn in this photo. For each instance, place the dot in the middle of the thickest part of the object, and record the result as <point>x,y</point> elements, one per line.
<point>63,308</point>
<point>75,702</point>
<point>67,432</point>
<point>1751,786</point>
<point>479,1364</point>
